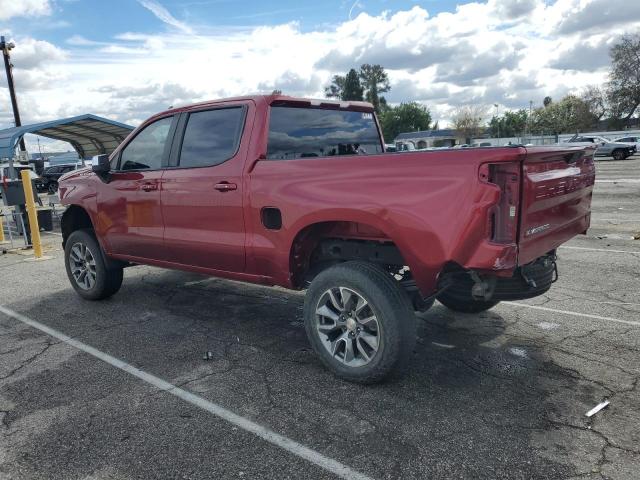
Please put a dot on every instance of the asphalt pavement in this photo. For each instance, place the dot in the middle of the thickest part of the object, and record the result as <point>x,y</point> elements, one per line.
<point>502,394</point>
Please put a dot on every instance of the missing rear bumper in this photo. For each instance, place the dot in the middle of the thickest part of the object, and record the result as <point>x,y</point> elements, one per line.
<point>528,281</point>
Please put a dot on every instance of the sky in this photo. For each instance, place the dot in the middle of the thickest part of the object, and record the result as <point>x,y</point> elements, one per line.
<point>128,59</point>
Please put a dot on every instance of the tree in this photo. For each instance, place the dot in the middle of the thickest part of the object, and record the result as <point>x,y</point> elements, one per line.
<point>594,98</point>
<point>375,81</point>
<point>352,90</point>
<point>511,124</point>
<point>569,115</point>
<point>623,89</point>
<point>547,101</point>
<point>406,117</point>
<point>467,120</point>
<point>337,86</point>
<point>368,83</point>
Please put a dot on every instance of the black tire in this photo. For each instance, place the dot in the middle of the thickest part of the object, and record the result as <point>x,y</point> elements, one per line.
<point>618,154</point>
<point>386,301</point>
<point>465,304</point>
<point>107,280</point>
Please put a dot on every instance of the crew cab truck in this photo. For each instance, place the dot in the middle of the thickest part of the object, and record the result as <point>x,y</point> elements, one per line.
<point>300,193</point>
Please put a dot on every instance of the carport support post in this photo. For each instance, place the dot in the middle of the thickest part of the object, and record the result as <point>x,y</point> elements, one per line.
<point>33,215</point>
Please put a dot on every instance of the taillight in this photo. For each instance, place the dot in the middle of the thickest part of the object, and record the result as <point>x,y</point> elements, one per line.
<point>503,216</point>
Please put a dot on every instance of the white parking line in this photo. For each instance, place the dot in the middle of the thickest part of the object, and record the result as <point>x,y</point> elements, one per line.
<point>599,249</point>
<point>197,282</point>
<point>569,312</point>
<point>620,180</point>
<point>333,466</point>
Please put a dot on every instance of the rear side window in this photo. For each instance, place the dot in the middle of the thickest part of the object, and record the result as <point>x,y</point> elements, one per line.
<point>315,132</point>
<point>211,137</point>
<point>146,150</point>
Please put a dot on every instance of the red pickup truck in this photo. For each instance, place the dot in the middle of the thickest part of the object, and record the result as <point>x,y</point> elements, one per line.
<point>300,193</point>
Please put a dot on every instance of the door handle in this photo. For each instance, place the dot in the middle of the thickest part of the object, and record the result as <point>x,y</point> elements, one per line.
<point>225,186</point>
<point>147,187</point>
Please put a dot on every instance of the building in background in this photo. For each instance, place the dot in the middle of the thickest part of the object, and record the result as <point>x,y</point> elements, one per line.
<point>57,158</point>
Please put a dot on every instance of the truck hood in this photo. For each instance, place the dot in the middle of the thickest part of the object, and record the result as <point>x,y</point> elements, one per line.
<point>76,174</point>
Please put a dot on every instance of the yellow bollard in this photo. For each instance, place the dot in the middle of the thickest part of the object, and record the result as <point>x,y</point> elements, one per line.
<point>32,214</point>
<point>1,227</point>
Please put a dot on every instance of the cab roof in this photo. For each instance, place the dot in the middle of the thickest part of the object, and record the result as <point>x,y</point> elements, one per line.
<point>277,99</point>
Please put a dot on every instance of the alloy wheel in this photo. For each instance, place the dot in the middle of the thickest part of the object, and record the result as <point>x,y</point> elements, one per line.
<point>83,266</point>
<point>348,327</point>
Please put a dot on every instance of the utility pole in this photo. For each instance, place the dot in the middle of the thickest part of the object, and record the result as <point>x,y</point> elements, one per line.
<point>497,122</point>
<point>5,47</point>
<point>530,113</point>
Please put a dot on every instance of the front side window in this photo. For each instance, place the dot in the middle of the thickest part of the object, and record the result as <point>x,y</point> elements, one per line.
<point>211,137</point>
<point>146,150</point>
<point>315,132</point>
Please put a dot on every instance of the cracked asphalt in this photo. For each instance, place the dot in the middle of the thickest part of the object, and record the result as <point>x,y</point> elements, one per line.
<point>502,394</point>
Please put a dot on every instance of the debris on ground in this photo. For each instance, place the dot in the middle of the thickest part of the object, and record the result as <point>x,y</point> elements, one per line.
<point>597,408</point>
<point>207,356</point>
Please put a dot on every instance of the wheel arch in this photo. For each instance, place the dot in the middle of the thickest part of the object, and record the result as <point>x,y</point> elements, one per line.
<point>74,218</point>
<point>309,237</point>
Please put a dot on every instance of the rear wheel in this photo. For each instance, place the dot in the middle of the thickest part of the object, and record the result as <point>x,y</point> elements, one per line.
<point>52,187</point>
<point>619,154</point>
<point>86,268</point>
<point>464,303</point>
<point>360,322</point>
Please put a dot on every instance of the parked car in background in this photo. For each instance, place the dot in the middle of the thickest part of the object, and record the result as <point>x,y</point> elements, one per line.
<point>314,202</point>
<point>633,141</point>
<point>605,148</point>
<point>51,175</point>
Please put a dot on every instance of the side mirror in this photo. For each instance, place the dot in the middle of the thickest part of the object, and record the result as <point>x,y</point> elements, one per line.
<point>103,167</point>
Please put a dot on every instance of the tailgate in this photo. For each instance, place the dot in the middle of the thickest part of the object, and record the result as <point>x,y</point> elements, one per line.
<point>556,198</point>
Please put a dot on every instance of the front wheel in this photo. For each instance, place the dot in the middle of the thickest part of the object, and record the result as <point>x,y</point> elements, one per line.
<point>52,188</point>
<point>359,322</point>
<point>86,268</point>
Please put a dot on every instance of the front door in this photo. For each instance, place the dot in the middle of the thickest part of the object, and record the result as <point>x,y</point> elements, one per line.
<point>202,192</point>
<point>129,208</point>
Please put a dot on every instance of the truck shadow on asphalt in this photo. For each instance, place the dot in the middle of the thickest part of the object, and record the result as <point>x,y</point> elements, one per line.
<point>478,400</point>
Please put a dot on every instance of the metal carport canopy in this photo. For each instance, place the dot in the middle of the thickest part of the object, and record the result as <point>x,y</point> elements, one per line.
<point>88,134</point>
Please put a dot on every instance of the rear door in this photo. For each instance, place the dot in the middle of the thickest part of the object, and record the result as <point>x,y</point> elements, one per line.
<point>556,198</point>
<point>203,189</point>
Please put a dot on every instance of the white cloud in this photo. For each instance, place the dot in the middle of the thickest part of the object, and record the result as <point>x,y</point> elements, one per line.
<point>504,51</point>
<point>23,8</point>
<point>79,40</point>
<point>163,15</point>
